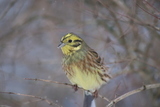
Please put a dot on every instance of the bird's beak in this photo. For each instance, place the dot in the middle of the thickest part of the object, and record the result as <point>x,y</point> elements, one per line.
<point>60,45</point>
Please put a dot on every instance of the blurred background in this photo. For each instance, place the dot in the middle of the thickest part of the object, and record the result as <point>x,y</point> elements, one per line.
<point>126,33</point>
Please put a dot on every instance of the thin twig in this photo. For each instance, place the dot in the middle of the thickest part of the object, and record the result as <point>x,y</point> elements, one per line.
<point>145,87</point>
<point>32,96</point>
<point>11,4</point>
<point>154,66</point>
<point>100,96</point>
<point>120,61</point>
<point>50,81</point>
<point>147,11</point>
<point>154,27</point>
<point>146,2</point>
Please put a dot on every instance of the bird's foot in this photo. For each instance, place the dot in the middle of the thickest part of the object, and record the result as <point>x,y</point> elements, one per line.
<point>95,94</point>
<point>75,87</point>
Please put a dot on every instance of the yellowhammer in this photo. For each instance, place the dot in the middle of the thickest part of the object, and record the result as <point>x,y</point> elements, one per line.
<point>82,65</point>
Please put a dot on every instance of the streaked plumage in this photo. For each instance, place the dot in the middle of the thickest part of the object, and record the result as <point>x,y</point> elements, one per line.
<point>82,65</point>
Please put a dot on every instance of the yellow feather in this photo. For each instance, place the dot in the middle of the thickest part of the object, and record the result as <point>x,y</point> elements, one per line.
<point>82,64</point>
<point>88,81</point>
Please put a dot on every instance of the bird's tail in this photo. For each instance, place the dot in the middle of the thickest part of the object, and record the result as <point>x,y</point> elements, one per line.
<point>89,100</point>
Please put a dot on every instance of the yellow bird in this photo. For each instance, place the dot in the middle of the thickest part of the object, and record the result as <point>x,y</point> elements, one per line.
<point>83,66</point>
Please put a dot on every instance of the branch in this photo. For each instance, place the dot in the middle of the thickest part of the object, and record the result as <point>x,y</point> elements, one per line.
<point>145,87</point>
<point>147,12</point>
<point>11,4</point>
<point>50,81</point>
<point>154,27</point>
<point>32,96</point>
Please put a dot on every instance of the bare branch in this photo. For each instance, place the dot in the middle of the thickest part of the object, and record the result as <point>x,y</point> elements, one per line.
<point>154,27</point>
<point>11,4</point>
<point>147,11</point>
<point>103,97</point>
<point>145,87</point>
<point>50,81</point>
<point>32,96</point>
<point>146,2</point>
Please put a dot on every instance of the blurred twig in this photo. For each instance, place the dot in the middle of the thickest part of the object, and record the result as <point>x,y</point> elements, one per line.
<point>8,8</point>
<point>146,2</point>
<point>138,59</point>
<point>145,87</point>
<point>37,97</point>
<point>122,61</point>
<point>147,12</point>
<point>154,27</point>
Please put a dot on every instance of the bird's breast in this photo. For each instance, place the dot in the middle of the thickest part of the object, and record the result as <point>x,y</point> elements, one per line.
<point>83,72</point>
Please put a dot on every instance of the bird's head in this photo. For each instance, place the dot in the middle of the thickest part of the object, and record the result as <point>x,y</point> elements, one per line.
<point>70,43</point>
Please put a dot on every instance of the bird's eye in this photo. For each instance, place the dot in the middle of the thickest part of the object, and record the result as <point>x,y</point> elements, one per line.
<point>70,41</point>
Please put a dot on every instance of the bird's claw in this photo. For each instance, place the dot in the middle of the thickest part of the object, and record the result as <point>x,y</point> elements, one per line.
<point>75,87</point>
<point>95,94</point>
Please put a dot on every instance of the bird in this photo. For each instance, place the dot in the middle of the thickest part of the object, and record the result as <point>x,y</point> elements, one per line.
<point>83,66</point>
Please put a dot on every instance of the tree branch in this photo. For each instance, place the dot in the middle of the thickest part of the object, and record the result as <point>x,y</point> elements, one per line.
<point>50,81</point>
<point>32,96</point>
<point>145,87</point>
